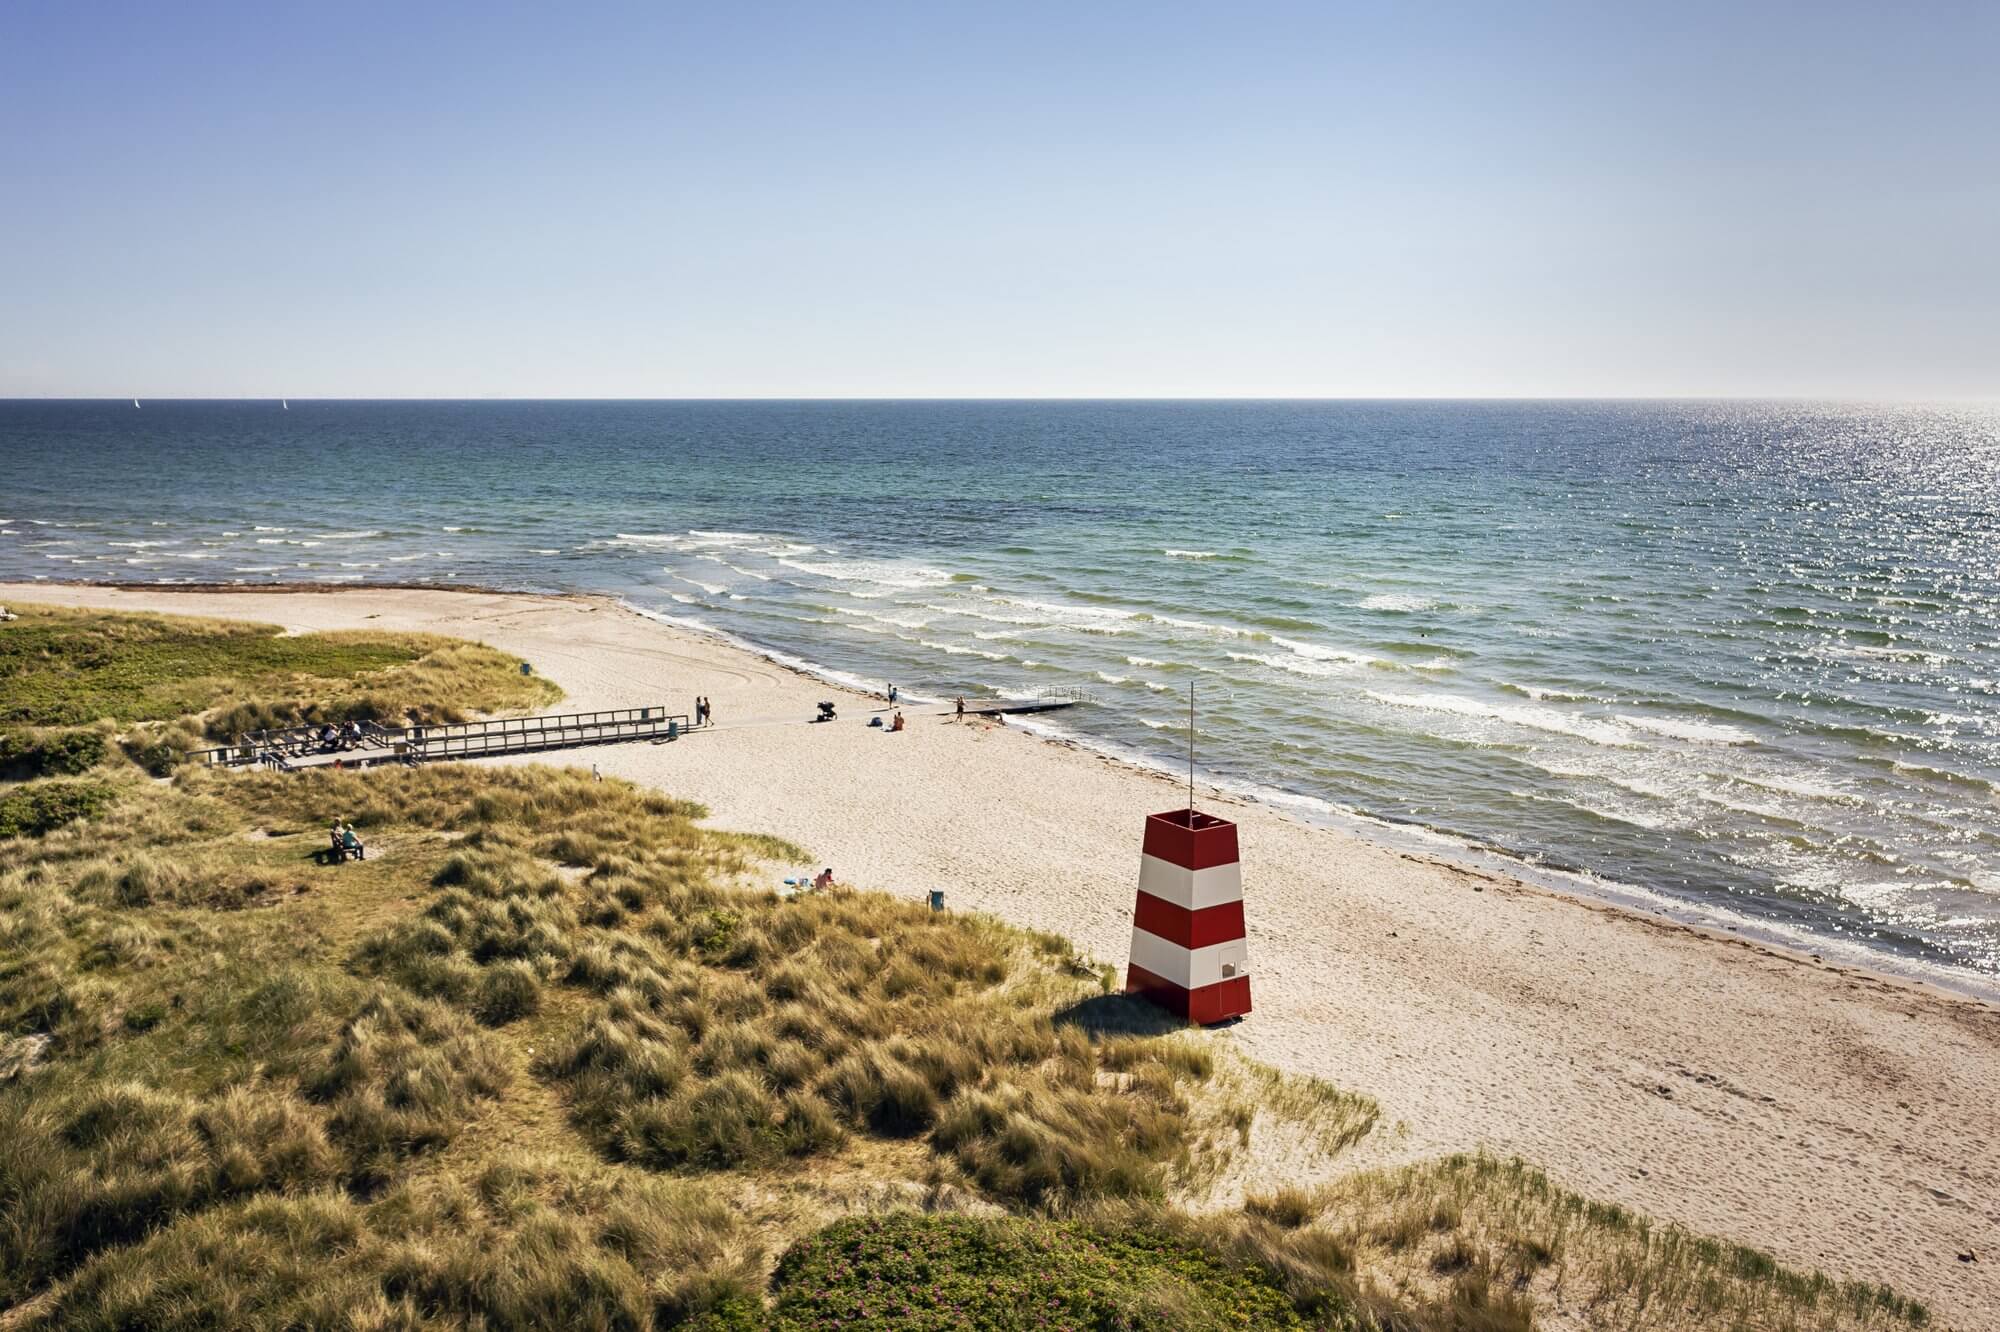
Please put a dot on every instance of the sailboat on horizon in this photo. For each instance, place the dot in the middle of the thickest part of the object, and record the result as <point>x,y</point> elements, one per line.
<point>285,403</point>
<point>135,403</point>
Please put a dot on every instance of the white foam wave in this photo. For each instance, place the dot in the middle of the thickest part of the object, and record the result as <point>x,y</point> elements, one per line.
<point>353,536</point>
<point>1536,719</point>
<point>1637,785</point>
<point>1793,786</point>
<point>1550,695</point>
<point>697,537</point>
<point>1204,627</point>
<point>955,650</point>
<point>1297,665</point>
<point>900,621</point>
<point>1681,728</point>
<point>872,572</point>
<point>1321,652</point>
<point>1111,679</point>
<point>1770,813</point>
<point>1396,601</point>
<point>1143,661</point>
<point>1173,554</point>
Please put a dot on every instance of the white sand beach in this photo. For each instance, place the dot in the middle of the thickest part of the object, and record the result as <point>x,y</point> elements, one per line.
<point>1840,1119</point>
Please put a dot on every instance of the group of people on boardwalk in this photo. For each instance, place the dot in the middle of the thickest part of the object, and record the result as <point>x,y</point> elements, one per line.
<point>331,738</point>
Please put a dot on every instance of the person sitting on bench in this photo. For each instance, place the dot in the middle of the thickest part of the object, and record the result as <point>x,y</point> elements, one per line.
<point>352,844</point>
<point>338,852</point>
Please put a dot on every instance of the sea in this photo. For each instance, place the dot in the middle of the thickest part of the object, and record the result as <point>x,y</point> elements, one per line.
<point>1737,661</point>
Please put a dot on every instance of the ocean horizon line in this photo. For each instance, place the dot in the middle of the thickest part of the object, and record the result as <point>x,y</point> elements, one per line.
<point>1030,399</point>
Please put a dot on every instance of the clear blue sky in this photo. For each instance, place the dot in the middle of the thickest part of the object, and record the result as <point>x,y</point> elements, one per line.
<point>1017,199</point>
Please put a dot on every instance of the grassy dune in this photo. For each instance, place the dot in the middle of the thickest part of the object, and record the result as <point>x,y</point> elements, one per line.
<point>551,1056</point>
<point>61,667</point>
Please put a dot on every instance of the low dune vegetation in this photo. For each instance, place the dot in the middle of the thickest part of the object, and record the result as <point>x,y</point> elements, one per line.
<point>62,668</point>
<point>555,1055</point>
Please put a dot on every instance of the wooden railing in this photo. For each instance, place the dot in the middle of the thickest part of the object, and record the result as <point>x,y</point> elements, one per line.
<point>512,735</point>
<point>291,742</point>
<point>283,748</point>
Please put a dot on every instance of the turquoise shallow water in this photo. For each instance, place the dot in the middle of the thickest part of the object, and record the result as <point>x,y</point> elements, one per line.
<point>1745,655</point>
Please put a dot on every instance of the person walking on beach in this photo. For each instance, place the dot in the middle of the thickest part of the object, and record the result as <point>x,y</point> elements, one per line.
<point>892,693</point>
<point>960,716</point>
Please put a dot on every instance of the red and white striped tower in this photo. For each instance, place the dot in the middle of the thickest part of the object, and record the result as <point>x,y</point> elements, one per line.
<point>1188,949</point>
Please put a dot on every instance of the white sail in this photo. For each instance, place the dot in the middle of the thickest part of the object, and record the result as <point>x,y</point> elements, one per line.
<point>285,403</point>
<point>135,402</point>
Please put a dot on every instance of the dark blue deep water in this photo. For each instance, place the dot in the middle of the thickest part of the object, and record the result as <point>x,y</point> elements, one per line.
<point>1744,655</point>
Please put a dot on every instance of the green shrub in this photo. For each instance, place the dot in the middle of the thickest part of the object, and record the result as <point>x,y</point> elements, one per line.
<point>910,1270</point>
<point>42,807</point>
<point>71,753</point>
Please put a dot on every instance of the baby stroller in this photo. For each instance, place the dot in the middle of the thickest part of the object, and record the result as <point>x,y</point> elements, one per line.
<point>825,713</point>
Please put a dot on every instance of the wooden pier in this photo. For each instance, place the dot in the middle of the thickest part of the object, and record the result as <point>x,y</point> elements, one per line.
<point>1014,707</point>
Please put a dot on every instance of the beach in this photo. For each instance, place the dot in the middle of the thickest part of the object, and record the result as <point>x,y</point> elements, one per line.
<point>1838,1118</point>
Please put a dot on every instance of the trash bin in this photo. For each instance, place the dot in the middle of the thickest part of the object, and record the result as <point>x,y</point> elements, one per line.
<point>937,899</point>
<point>674,729</point>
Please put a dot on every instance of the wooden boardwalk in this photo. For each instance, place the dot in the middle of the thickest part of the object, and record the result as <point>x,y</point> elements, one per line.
<point>296,748</point>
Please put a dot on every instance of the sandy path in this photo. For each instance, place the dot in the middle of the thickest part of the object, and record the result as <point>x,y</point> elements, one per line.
<point>1839,1119</point>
